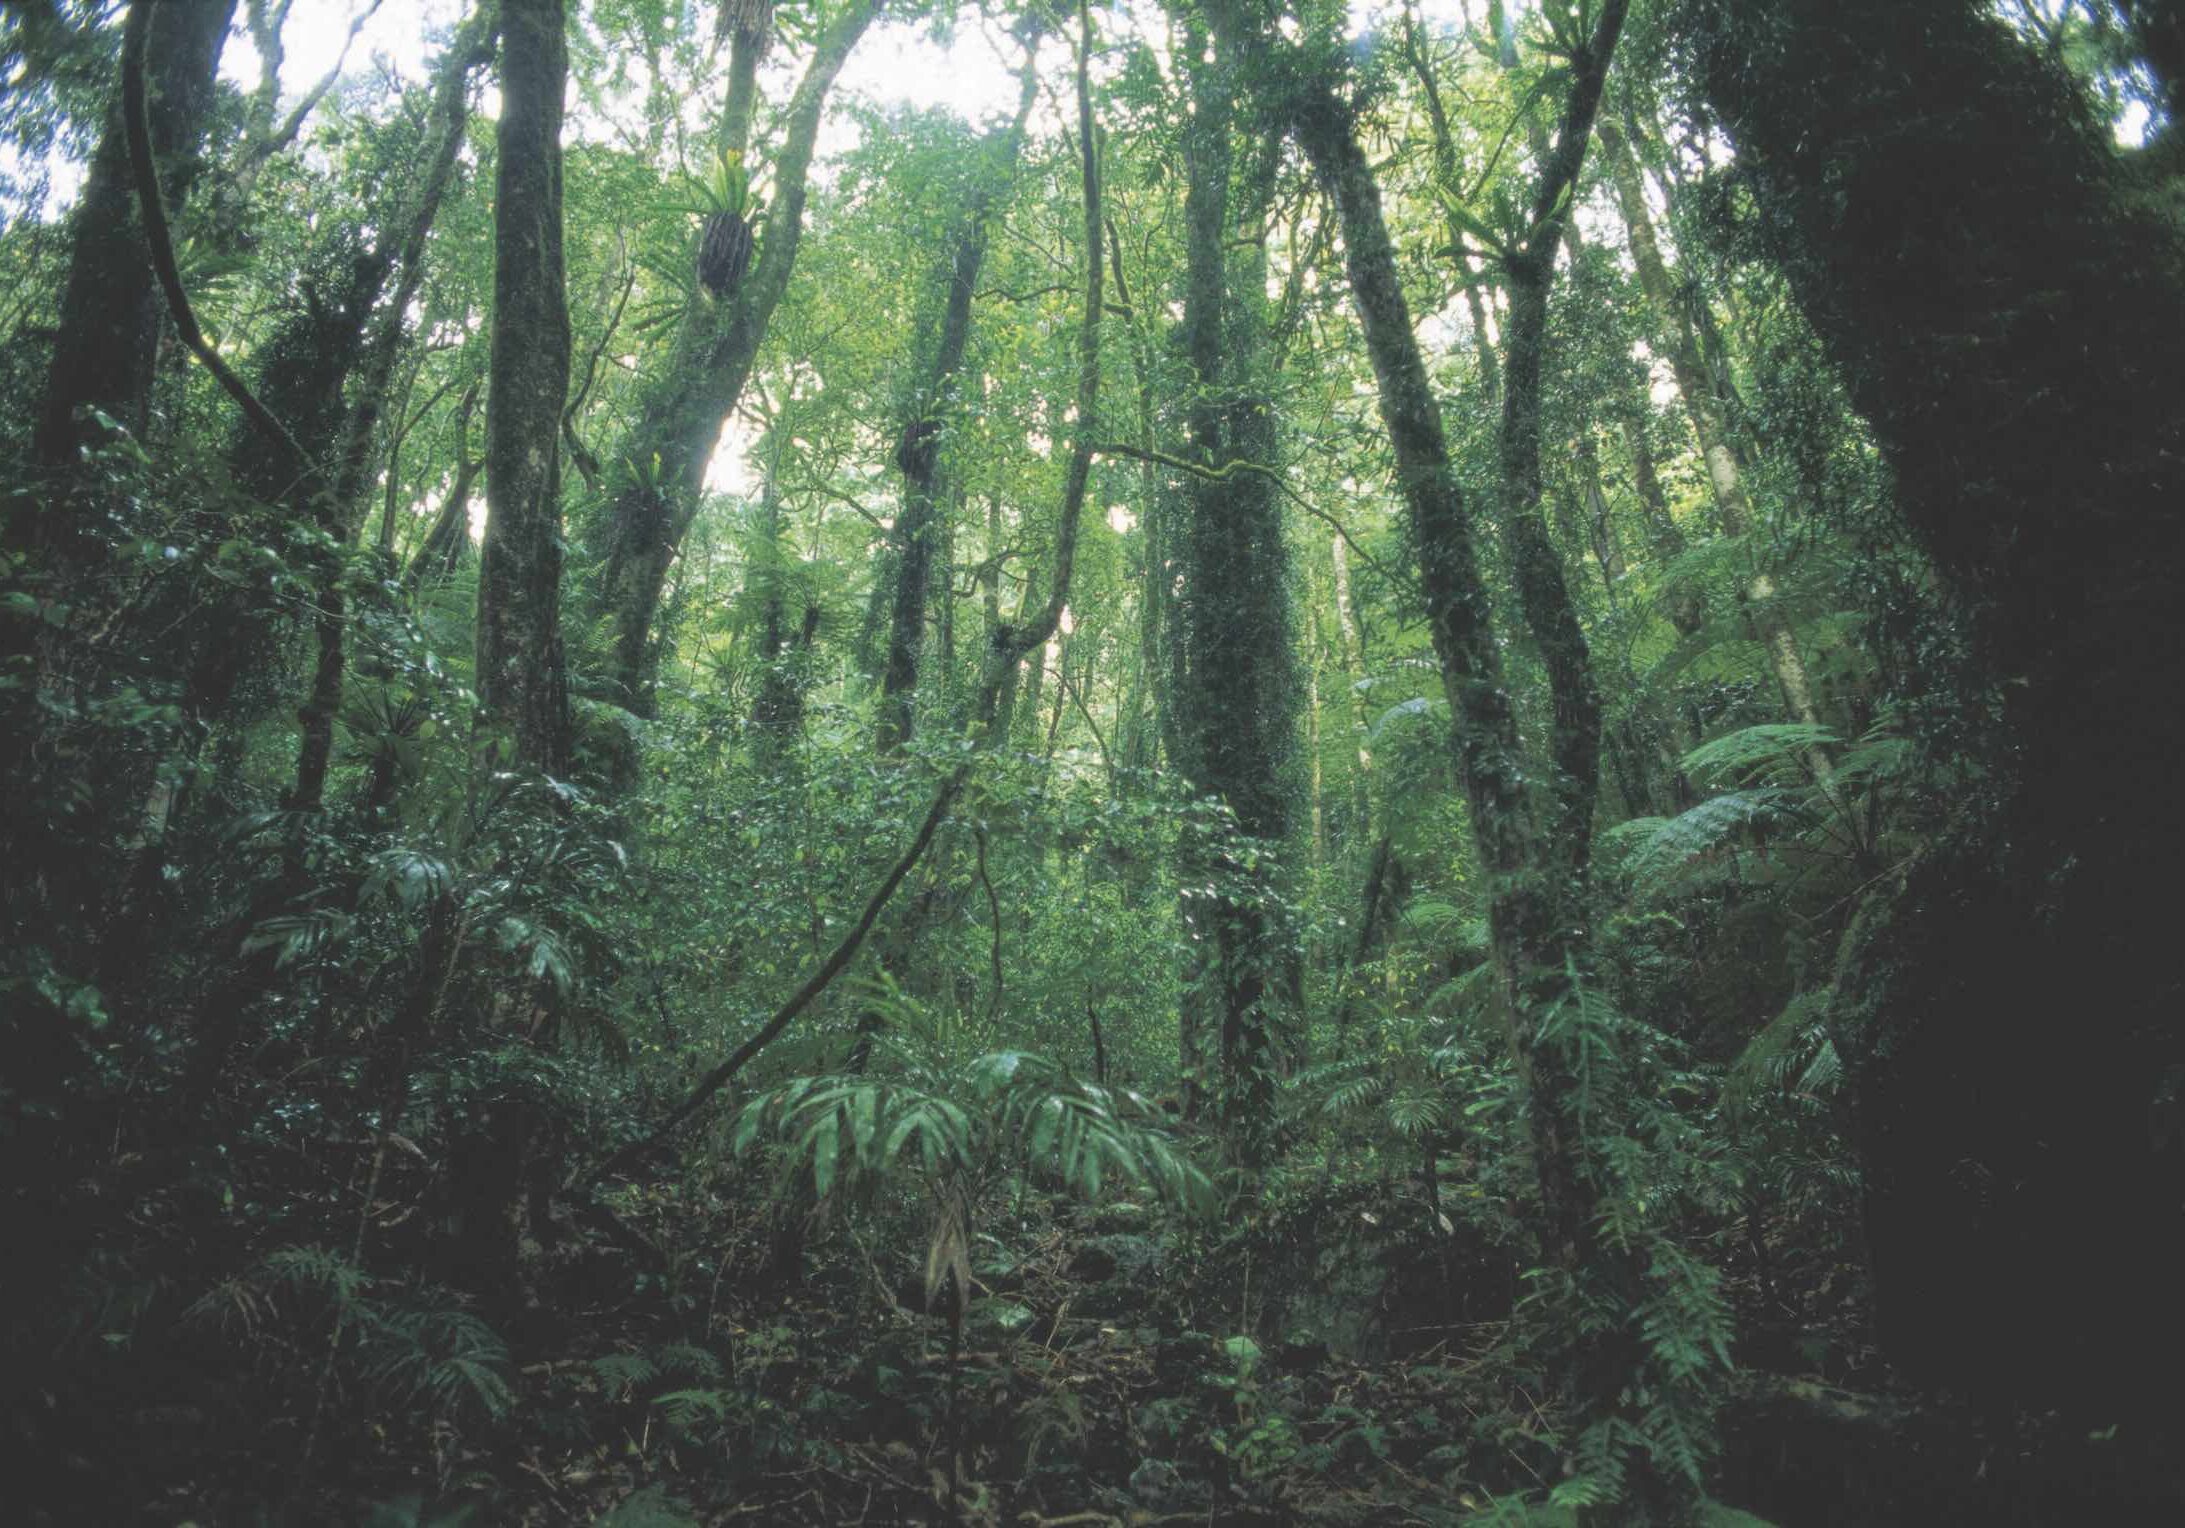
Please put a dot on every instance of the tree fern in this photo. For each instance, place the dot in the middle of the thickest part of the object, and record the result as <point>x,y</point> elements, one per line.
<point>1659,863</point>
<point>1784,1055</point>
<point>1774,753</point>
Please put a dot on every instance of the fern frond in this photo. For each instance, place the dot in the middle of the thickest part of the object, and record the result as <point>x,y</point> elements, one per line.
<point>1702,830</point>
<point>439,1356</point>
<point>1771,1056</point>
<point>1773,753</point>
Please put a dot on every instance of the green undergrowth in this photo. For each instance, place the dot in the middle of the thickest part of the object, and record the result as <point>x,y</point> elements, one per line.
<point>680,1360</point>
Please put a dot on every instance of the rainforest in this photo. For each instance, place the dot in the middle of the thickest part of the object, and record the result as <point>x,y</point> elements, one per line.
<point>1033,762</point>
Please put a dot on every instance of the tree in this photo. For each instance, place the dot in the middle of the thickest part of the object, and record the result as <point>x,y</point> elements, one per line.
<point>2004,315</point>
<point>521,674</point>
<point>663,457</point>
<point>925,425</point>
<point>1536,858</point>
<point>108,341</point>
<point>1233,673</point>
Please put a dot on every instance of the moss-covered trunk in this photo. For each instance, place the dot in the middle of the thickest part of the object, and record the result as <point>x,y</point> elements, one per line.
<point>1955,225</point>
<point>1236,707</point>
<point>686,402</point>
<point>520,676</point>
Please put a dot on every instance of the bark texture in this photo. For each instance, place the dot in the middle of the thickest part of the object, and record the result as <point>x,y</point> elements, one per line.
<point>2007,320</point>
<point>687,402</point>
<point>521,682</point>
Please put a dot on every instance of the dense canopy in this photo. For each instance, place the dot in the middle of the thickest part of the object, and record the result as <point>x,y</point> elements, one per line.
<point>1227,761</point>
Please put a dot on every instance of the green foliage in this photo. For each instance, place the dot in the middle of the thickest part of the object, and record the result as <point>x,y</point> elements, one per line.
<point>407,1346</point>
<point>401,1018</point>
<point>725,187</point>
<point>1006,1112</point>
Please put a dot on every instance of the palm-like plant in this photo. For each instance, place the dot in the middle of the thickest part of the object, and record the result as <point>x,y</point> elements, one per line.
<point>963,1130</point>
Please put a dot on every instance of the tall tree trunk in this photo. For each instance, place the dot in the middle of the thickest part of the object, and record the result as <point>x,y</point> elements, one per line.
<point>107,349</point>
<point>1697,385</point>
<point>778,713</point>
<point>105,357</point>
<point>521,681</point>
<point>1354,673</point>
<point>2006,318</point>
<point>1147,725</point>
<point>1237,707</point>
<point>688,400</point>
<point>1542,590</point>
<point>1536,913</point>
<point>918,450</point>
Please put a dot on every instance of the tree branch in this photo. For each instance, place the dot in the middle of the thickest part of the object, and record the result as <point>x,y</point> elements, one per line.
<point>1261,469</point>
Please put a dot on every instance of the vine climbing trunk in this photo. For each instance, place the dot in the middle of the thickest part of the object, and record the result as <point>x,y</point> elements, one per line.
<point>1536,910</point>
<point>107,345</point>
<point>918,450</point>
<point>340,510</point>
<point>1235,700</point>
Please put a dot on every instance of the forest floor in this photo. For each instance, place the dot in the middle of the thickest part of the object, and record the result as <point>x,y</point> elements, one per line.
<point>697,1356</point>
<point>696,1365</point>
